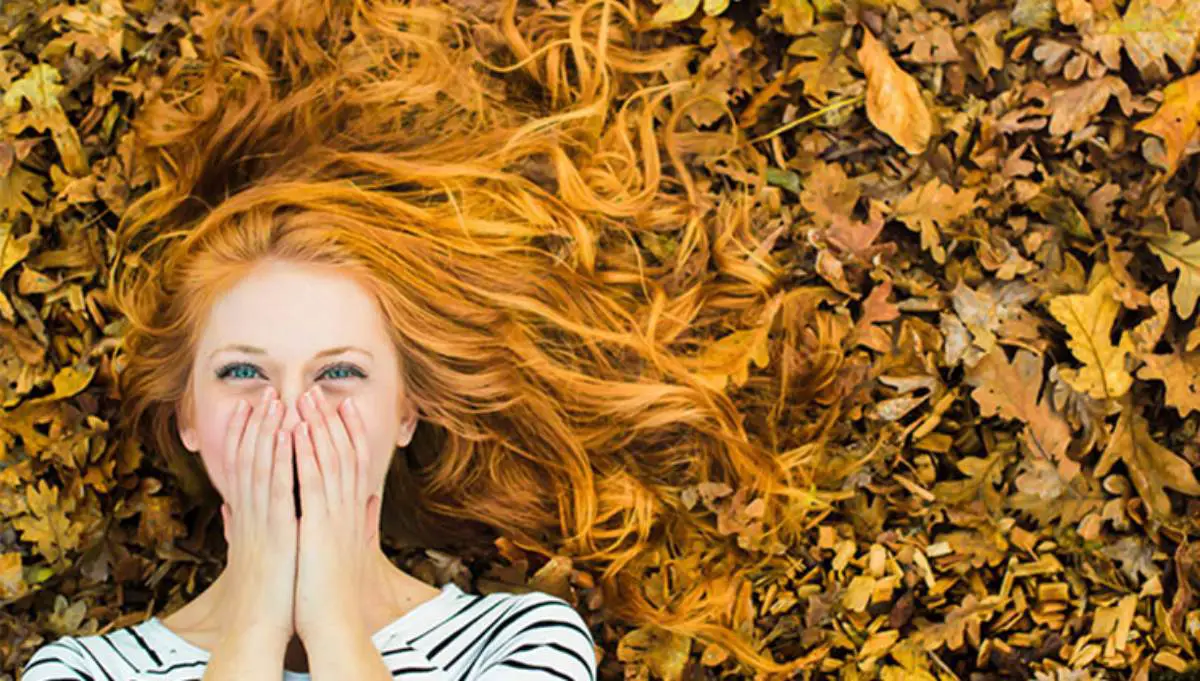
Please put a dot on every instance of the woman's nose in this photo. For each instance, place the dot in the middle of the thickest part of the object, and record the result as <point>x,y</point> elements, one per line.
<point>291,400</point>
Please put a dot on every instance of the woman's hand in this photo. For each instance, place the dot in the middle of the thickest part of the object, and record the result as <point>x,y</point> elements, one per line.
<point>260,520</point>
<point>339,516</point>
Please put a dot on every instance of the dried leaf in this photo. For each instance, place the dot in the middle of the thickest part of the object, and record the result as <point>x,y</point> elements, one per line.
<point>894,102</point>
<point>1178,255</point>
<point>1089,318</point>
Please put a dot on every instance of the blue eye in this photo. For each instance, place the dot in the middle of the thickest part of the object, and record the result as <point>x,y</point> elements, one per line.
<point>354,372</point>
<point>235,369</point>
<point>239,371</point>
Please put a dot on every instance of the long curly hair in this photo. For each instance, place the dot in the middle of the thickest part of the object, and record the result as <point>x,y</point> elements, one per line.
<point>551,283</point>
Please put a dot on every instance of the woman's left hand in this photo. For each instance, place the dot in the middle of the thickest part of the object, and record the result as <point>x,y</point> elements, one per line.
<point>339,515</point>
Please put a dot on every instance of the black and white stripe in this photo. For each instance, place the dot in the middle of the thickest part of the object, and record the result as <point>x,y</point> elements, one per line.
<point>498,637</point>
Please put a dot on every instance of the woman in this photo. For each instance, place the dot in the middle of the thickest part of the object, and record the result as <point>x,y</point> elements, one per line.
<point>315,592</point>
<point>362,175</point>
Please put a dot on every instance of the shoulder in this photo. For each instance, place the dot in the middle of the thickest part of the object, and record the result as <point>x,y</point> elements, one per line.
<point>111,656</point>
<point>62,658</point>
<point>539,629</point>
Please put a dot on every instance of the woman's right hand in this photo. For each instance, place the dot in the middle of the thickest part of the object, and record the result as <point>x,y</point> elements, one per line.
<point>260,520</point>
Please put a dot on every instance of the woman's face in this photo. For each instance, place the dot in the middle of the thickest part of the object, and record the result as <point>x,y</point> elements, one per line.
<point>293,326</point>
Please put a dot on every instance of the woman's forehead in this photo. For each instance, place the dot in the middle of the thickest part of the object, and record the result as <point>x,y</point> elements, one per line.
<point>293,310</point>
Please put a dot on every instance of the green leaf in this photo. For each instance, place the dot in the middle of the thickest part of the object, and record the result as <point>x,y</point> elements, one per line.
<point>783,178</point>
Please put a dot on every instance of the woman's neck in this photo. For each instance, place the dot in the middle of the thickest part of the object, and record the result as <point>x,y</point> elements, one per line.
<point>388,593</point>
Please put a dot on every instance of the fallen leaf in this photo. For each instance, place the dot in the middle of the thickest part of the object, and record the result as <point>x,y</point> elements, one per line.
<point>1011,391</point>
<point>894,102</point>
<point>1152,467</point>
<point>1089,319</point>
<point>1178,255</point>
<point>932,206</point>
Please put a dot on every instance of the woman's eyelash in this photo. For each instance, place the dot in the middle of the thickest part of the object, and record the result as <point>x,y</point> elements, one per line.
<point>226,370</point>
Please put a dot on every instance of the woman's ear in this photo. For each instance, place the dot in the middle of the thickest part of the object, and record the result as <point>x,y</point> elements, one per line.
<point>187,433</point>
<point>408,424</point>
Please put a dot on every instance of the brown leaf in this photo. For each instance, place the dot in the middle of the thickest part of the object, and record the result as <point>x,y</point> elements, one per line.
<point>1152,467</point>
<point>1011,391</point>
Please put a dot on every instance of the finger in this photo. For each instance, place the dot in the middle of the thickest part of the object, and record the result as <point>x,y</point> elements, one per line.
<point>343,448</point>
<point>327,458</point>
<point>311,493</point>
<point>264,458</point>
<point>233,438</point>
<point>249,444</point>
<point>357,433</point>
<point>373,509</point>
<point>281,506</point>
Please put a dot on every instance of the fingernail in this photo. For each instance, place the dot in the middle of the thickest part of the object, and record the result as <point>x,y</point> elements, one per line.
<point>273,408</point>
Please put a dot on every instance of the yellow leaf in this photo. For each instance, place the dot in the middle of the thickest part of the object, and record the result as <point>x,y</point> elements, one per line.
<point>665,653</point>
<point>1177,122</point>
<point>67,382</point>
<point>16,190</point>
<point>1073,12</point>
<point>53,534</point>
<point>1178,255</point>
<point>1089,318</point>
<point>894,103</point>
<point>930,205</point>
<point>1150,31</point>
<point>675,10</point>
<point>12,582</point>
<point>41,88</point>
<point>730,357</point>
<point>1151,466</point>
<point>1180,376</point>
<point>797,15</point>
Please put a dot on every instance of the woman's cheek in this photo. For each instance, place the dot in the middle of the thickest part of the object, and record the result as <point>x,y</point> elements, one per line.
<point>214,429</point>
<point>377,441</point>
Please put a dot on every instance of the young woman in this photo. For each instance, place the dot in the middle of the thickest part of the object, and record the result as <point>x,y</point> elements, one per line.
<point>360,202</point>
<point>295,394</point>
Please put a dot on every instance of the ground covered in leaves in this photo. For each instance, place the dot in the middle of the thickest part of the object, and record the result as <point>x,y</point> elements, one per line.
<point>996,204</point>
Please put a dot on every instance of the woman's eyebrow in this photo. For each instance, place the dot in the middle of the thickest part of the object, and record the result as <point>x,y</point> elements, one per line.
<point>250,349</point>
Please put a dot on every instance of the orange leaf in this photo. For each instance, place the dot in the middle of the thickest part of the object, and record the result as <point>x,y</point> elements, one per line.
<point>1177,122</point>
<point>894,103</point>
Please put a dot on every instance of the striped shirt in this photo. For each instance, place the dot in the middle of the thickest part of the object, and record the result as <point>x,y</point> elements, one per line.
<point>455,636</point>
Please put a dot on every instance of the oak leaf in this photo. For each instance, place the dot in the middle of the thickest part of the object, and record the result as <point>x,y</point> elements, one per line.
<point>1089,319</point>
<point>1011,391</point>
<point>1150,31</point>
<point>1180,375</point>
<point>933,205</point>
<point>1179,256</point>
<point>1152,467</point>
<point>1176,122</point>
<point>963,621</point>
<point>47,524</point>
